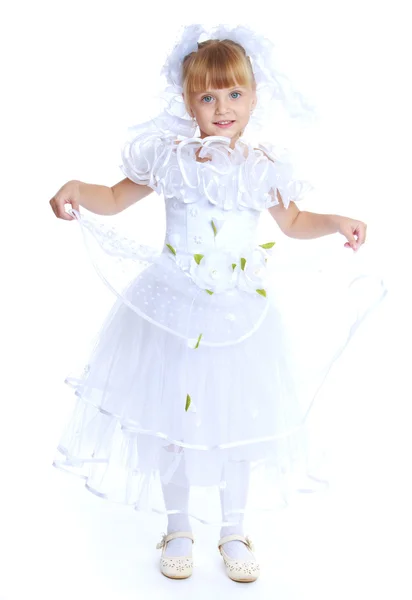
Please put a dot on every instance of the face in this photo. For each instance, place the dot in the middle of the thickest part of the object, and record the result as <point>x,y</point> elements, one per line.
<point>224,112</point>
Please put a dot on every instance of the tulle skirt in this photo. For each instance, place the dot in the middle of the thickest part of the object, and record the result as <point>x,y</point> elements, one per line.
<point>151,400</point>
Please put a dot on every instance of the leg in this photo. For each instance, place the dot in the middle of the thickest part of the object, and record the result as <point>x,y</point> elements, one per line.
<point>176,498</point>
<point>233,496</point>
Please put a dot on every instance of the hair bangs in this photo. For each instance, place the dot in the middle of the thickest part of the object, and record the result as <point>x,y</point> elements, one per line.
<point>216,65</point>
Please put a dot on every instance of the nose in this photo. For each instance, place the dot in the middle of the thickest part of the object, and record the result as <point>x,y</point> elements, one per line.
<point>221,107</point>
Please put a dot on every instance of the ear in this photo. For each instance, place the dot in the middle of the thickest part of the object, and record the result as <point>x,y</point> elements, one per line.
<point>254,100</point>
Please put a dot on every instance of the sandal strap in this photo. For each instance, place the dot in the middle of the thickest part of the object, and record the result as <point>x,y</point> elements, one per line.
<point>174,535</point>
<point>235,537</point>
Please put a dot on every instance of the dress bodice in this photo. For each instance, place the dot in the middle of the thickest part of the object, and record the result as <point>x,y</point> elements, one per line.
<point>201,226</point>
<point>214,203</point>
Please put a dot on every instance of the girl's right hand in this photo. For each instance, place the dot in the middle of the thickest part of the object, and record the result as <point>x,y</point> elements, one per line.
<point>67,194</point>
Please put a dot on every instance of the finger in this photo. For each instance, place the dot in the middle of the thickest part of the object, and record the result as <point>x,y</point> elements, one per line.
<point>68,210</point>
<point>362,235</point>
<point>351,241</point>
<point>352,246</point>
<point>52,203</point>
<point>66,216</point>
<point>63,214</point>
<point>75,206</point>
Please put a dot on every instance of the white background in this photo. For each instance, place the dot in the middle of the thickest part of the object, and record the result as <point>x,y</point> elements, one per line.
<point>74,75</point>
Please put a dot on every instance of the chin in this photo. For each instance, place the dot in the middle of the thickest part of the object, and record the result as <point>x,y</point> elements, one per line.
<point>216,131</point>
<point>230,132</point>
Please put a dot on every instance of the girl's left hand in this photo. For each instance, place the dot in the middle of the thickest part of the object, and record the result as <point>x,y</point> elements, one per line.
<point>353,230</point>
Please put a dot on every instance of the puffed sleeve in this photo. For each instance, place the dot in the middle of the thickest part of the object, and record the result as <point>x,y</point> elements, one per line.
<point>281,177</point>
<point>145,155</point>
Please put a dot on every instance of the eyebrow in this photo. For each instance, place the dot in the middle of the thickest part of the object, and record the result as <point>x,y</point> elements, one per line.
<point>236,87</point>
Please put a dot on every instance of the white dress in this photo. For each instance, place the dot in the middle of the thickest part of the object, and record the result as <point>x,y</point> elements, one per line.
<point>197,360</point>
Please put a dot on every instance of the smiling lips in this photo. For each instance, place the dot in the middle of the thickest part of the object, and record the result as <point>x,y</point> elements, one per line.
<point>223,123</point>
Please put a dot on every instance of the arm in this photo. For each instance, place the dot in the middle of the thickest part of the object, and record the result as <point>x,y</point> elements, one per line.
<point>302,224</point>
<point>306,225</point>
<point>127,192</point>
<point>104,200</point>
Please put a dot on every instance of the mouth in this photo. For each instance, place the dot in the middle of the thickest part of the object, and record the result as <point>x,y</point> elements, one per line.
<point>225,123</point>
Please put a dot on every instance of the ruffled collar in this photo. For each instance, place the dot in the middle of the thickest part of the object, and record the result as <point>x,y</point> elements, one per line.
<point>242,177</point>
<point>214,148</point>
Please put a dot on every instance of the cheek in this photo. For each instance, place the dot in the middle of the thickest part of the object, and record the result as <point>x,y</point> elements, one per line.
<point>245,108</point>
<point>204,111</point>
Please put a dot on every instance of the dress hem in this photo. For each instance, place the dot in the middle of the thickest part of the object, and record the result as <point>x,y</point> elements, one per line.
<point>249,511</point>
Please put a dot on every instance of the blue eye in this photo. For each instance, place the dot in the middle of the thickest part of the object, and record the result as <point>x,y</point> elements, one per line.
<point>204,98</point>
<point>236,93</point>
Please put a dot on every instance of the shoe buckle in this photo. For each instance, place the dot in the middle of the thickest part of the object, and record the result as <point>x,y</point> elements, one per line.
<point>162,542</point>
<point>250,544</point>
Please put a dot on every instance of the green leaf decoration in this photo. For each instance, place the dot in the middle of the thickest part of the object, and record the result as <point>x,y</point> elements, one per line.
<point>209,292</point>
<point>214,228</point>
<point>198,342</point>
<point>234,265</point>
<point>172,250</point>
<point>198,258</point>
<point>243,263</point>
<point>268,245</point>
<point>262,292</point>
<point>188,401</point>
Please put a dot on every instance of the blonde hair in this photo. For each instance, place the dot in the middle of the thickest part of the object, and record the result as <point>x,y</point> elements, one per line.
<point>216,64</point>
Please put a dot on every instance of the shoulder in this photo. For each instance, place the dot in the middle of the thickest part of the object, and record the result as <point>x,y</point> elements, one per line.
<point>266,152</point>
<point>144,160</point>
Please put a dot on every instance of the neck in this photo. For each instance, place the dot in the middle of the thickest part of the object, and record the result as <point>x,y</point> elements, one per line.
<point>233,140</point>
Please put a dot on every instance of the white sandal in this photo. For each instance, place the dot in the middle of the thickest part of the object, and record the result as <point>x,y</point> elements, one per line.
<point>239,570</point>
<point>175,567</point>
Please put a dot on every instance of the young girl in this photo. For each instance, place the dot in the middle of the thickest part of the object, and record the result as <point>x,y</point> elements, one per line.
<point>191,403</point>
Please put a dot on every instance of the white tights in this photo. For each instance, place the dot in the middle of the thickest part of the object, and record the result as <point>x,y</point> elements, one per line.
<point>237,476</point>
<point>176,498</point>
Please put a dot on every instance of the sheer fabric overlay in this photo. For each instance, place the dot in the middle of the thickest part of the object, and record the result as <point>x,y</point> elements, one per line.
<point>213,352</point>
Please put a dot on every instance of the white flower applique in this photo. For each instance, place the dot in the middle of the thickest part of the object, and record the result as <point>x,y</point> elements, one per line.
<point>219,271</point>
<point>252,276</point>
<point>215,271</point>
